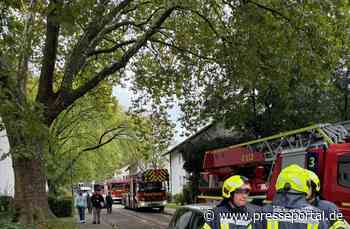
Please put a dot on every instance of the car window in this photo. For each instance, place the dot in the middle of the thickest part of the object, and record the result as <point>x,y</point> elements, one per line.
<point>181,219</point>
<point>197,221</point>
<point>184,221</point>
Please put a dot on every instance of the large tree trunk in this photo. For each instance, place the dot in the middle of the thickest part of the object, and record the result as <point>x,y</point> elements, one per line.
<point>30,190</point>
<point>27,151</point>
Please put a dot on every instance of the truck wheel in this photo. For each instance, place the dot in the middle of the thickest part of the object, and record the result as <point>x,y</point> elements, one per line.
<point>161,209</point>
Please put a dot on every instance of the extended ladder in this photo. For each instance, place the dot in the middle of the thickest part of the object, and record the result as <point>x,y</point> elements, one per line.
<point>314,135</point>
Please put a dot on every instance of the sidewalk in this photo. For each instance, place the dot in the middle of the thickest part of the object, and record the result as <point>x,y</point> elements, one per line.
<point>169,211</point>
<point>89,225</point>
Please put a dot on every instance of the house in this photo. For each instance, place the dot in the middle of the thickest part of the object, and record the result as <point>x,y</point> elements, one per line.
<point>7,181</point>
<point>214,135</point>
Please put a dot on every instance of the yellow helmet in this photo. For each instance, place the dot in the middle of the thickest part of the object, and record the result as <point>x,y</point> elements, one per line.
<point>314,178</point>
<point>231,184</point>
<point>295,176</point>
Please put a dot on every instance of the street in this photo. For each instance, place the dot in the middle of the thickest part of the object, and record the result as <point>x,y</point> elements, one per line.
<point>127,219</point>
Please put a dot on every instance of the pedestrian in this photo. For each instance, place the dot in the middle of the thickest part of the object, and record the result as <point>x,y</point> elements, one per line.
<point>97,201</point>
<point>330,209</point>
<point>89,204</point>
<point>109,203</point>
<point>235,192</point>
<point>290,200</point>
<point>80,204</point>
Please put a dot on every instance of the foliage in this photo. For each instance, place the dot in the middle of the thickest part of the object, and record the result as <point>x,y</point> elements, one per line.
<point>61,207</point>
<point>6,204</point>
<point>178,198</point>
<point>251,64</point>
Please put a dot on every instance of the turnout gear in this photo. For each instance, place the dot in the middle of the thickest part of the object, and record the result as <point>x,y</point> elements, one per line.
<point>289,209</point>
<point>227,215</point>
<point>231,184</point>
<point>330,209</point>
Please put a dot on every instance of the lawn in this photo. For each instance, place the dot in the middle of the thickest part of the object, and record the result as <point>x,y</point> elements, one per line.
<point>172,205</point>
<point>57,223</point>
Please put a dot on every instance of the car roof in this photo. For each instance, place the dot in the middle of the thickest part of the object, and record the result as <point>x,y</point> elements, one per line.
<point>199,207</point>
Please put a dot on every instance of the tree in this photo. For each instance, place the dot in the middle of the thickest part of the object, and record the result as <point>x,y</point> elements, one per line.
<point>85,42</point>
<point>252,63</point>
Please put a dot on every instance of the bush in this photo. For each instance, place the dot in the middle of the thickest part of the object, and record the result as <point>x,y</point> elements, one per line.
<point>61,207</point>
<point>6,204</point>
<point>178,198</point>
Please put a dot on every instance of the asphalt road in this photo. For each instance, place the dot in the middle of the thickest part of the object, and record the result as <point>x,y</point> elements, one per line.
<point>127,219</point>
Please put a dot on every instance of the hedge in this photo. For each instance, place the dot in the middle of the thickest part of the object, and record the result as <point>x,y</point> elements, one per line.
<point>61,207</point>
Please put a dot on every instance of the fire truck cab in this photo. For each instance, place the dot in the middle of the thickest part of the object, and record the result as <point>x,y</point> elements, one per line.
<point>118,187</point>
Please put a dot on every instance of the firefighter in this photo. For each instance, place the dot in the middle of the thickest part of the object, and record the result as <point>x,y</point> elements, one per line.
<point>235,191</point>
<point>330,209</point>
<point>290,208</point>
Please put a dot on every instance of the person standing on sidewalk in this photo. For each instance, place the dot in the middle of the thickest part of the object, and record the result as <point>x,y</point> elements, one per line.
<point>97,201</point>
<point>109,203</point>
<point>89,204</point>
<point>80,204</point>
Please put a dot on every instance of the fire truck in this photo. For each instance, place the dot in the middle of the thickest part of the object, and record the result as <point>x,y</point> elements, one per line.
<point>147,190</point>
<point>118,187</point>
<point>323,148</point>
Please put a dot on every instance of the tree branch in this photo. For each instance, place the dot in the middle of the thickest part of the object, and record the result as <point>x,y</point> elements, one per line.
<point>49,54</point>
<point>92,83</point>
<point>181,49</point>
<point>77,157</point>
<point>86,43</point>
<point>273,11</point>
<point>112,49</point>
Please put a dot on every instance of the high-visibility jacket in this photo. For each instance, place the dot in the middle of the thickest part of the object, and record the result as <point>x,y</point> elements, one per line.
<point>292,211</point>
<point>227,216</point>
<point>331,212</point>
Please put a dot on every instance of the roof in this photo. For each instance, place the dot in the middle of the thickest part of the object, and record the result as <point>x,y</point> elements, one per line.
<point>199,207</point>
<point>189,139</point>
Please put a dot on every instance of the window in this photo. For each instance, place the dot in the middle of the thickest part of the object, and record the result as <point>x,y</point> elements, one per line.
<point>197,221</point>
<point>151,187</point>
<point>344,171</point>
<point>181,219</point>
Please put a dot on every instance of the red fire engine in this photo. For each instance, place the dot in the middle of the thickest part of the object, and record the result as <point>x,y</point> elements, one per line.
<point>147,190</point>
<point>320,148</point>
<point>118,187</point>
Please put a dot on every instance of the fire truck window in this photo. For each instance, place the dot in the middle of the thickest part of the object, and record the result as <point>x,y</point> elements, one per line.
<point>117,186</point>
<point>151,186</point>
<point>344,171</point>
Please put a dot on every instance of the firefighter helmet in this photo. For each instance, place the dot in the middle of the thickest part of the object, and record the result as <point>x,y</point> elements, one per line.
<point>314,179</point>
<point>293,177</point>
<point>231,184</point>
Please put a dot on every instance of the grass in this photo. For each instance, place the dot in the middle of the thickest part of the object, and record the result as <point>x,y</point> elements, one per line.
<point>56,223</point>
<point>172,205</point>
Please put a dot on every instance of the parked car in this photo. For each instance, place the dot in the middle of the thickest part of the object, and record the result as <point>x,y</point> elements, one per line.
<point>189,217</point>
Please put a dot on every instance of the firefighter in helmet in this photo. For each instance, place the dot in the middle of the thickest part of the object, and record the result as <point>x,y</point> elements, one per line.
<point>330,209</point>
<point>235,191</point>
<point>289,208</point>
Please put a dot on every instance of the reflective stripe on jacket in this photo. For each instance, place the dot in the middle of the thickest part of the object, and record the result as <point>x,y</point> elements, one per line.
<point>331,212</point>
<point>224,216</point>
<point>292,211</point>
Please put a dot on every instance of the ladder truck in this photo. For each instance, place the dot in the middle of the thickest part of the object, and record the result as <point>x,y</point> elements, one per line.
<point>322,148</point>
